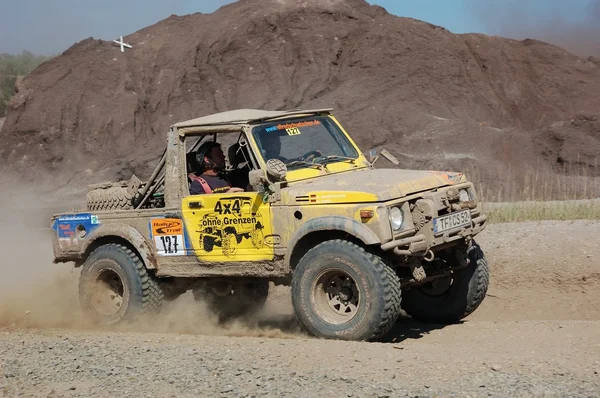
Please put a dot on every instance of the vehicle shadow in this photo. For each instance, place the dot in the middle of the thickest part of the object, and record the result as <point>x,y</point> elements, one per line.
<point>407,328</point>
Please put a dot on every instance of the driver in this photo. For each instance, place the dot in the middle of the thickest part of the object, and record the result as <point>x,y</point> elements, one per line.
<point>271,146</point>
<point>211,159</point>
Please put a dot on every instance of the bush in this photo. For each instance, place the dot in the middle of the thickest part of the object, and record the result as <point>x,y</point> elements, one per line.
<point>11,68</point>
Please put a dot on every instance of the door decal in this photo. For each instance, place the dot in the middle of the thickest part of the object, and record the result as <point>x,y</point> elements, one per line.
<point>229,227</point>
<point>231,221</point>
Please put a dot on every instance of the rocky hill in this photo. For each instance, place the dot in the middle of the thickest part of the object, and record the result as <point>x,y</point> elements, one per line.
<point>516,115</point>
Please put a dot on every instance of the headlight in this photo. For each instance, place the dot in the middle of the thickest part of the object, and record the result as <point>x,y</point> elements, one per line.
<point>396,218</point>
<point>464,195</point>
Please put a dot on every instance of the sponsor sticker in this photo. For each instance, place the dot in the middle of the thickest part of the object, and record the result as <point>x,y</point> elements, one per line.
<point>294,127</point>
<point>75,226</point>
<point>167,226</point>
<point>167,234</point>
<point>293,131</point>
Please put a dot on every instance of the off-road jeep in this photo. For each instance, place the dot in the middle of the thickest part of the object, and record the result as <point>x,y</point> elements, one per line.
<point>355,243</point>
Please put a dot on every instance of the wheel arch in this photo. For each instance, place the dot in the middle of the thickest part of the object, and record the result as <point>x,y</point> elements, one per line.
<point>125,235</point>
<point>326,228</point>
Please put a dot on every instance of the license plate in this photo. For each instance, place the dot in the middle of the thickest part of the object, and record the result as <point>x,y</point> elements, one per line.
<point>452,221</point>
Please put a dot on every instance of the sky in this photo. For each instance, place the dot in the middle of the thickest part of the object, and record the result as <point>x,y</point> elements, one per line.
<point>51,26</point>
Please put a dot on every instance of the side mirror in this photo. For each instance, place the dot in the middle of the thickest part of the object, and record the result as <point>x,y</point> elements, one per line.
<point>372,155</point>
<point>266,181</point>
<point>257,180</point>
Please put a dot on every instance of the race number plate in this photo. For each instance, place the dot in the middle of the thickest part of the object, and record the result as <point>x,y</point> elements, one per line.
<point>167,234</point>
<point>452,221</point>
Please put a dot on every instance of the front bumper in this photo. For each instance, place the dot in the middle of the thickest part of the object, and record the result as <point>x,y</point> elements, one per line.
<point>419,238</point>
<point>421,243</point>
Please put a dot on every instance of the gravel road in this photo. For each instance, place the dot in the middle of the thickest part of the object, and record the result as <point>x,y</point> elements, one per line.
<point>537,334</point>
<point>477,359</point>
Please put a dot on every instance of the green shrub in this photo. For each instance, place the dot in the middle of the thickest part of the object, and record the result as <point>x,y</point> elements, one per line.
<point>11,68</point>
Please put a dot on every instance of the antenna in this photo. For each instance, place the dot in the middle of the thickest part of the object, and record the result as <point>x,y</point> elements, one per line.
<point>122,44</point>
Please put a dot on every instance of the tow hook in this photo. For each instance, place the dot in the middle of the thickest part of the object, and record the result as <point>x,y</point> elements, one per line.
<point>429,256</point>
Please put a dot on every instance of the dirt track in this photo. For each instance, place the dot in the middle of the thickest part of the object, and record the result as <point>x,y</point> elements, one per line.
<point>536,334</point>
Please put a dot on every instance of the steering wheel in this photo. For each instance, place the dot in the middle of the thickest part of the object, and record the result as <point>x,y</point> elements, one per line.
<point>307,154</point>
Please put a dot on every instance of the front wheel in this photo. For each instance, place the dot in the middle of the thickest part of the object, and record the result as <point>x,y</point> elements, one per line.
<point>340,291</point>
<point>449,299</point>
<point>114,286</point>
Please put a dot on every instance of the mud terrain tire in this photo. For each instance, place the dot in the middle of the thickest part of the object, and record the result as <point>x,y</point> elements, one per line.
<point>246,298</point>
<point>113,198</point>
<point>111,271</point>
<point>468,289</point>
<point>340,291</point>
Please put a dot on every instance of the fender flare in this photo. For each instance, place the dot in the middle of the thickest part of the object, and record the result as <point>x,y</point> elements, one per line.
<point>330,223</point>
<point>128,233</point>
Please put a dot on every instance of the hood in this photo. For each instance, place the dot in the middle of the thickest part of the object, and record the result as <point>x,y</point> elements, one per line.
<point>369,185</point>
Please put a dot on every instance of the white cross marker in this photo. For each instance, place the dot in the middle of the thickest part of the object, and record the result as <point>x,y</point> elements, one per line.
<point>122,44</point>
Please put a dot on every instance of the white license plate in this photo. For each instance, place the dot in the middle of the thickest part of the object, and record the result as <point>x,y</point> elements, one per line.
<point>451,221</point>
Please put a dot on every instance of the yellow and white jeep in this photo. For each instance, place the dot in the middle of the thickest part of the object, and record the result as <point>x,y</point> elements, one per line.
<point>355,243</point>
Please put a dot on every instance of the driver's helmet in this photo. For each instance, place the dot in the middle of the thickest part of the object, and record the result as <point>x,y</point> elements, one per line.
<point>203,152</point>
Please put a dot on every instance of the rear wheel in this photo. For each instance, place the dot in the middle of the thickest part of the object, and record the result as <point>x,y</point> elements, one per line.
<point>451,298</point>
<point>114,286</point>
<point>340,291</point>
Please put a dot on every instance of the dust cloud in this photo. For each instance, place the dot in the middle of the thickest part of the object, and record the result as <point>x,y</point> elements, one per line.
<point>36,293</point>
<point>517,19</point>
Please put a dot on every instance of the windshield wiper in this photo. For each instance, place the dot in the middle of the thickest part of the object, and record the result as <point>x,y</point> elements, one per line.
<point>297,162</point>
<point>336,157</point>
<point>320,165</point>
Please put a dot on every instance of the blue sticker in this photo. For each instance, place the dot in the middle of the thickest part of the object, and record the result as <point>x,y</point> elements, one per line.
<point>68,225</point>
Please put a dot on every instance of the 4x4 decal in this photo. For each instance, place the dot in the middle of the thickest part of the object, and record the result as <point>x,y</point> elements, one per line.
<point>228,208</point>
<point>232,220</point>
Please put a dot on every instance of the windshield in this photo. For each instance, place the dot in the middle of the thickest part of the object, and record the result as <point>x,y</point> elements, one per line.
<point>300,142</point>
